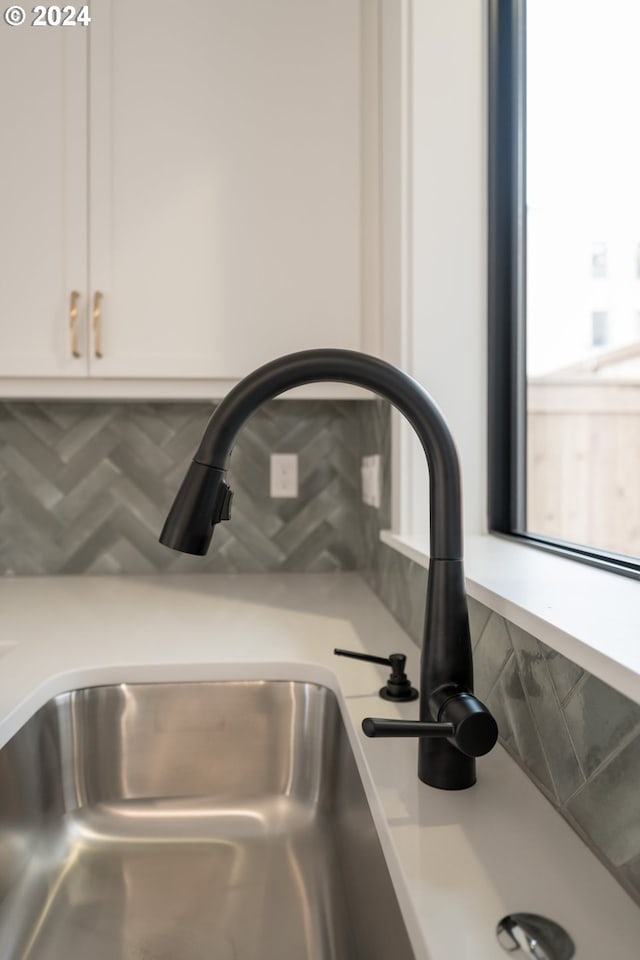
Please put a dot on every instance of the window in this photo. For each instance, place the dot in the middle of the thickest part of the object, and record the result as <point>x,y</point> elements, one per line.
<point>564,209</point>
<point>598,260</point>
<point>599,328</point>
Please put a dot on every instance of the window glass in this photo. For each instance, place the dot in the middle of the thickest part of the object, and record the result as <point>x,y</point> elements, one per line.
<point>583,272</point>
<point>599,259</point>
<point>599,328</point>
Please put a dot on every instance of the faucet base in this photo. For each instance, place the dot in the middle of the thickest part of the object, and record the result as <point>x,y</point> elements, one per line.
<point>443,766</point>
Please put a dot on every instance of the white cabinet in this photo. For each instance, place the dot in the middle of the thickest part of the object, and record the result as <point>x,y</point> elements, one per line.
<point>205,177</point>
<point>43,199</point>
<point>225,187</point>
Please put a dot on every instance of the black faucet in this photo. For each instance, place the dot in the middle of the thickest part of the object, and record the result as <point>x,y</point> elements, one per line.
<point>454,726</point>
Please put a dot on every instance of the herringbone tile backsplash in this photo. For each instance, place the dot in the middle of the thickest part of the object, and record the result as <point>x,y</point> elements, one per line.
<point>85,487</point>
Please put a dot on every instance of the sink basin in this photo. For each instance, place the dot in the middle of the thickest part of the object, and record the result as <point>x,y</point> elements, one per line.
<point>191,821</point>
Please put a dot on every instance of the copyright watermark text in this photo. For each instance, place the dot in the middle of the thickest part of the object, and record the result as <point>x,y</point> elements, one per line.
<point>47,16</point>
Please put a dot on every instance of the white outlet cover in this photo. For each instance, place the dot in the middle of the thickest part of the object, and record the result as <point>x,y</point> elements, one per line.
<point>364,480</point>
<point>370,478</point>
<point>375,481</point>
<point>284,475</point>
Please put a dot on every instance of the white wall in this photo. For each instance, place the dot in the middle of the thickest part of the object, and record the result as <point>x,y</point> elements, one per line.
<point>434,233</point>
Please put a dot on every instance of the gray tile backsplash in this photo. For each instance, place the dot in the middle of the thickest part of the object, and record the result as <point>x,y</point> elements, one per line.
<point>492,648</point>
<point>607,806</point>
<point>84,487</point>
<point>548,717</point>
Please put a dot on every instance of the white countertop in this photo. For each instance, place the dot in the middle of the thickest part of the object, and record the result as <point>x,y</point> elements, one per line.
<point>459,861</point>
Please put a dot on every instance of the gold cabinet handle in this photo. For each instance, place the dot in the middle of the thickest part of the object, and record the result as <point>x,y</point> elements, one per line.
<point>73,322</point>
<point>97,316</point>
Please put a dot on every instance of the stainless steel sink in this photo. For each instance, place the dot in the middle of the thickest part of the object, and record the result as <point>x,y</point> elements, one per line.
<point>191,821</point>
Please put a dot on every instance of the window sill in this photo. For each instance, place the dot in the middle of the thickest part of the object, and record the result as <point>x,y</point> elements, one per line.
<point>588,615</point>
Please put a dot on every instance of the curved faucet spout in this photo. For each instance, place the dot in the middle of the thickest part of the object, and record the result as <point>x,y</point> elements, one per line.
<point>347,366</point>
<point>204,499</point>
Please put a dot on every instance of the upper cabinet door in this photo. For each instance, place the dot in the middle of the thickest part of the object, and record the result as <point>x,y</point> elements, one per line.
<point>43,211</point>
<point>225,217</point>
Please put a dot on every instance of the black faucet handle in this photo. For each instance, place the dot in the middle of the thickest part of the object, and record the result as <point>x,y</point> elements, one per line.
<point>381,727</point>
<point>476,730</point>
<point>398,686</point>
<point>461,718</point>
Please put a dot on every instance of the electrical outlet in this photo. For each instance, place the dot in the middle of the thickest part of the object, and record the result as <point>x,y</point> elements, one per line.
<point>370,477</point>
<point>284,474</point>
<point>364,479</point>
<point>375,481</point>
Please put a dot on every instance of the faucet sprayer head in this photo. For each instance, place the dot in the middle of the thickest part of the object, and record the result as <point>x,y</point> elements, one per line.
<point>203,500</point>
